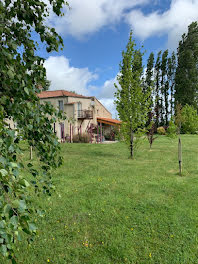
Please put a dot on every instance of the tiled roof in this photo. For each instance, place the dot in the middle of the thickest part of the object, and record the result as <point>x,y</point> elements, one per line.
<point>108,120</point>
<point>58,93</point>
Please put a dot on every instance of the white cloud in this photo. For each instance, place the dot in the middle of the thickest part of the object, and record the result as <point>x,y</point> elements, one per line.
<point>108,89</point>
<point>88,16</point>
<point>173,22</point>
<point>65,77</point>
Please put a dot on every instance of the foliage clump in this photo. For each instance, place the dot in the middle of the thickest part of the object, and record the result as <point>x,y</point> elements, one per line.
<point>22,76</point>
<point>189,118</point>
<point>172,129</point>
<point>82,138</point>
<point>161,131</point>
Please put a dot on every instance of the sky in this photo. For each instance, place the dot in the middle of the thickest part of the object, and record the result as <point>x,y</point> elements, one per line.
<point>95,32</point>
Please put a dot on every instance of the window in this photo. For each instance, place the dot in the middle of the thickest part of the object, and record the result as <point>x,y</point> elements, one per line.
<point>60,105</point>
<point>79,106</point>
<point>80,112</point>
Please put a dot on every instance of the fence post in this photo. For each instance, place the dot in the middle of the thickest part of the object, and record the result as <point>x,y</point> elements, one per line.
<point>180,156</point>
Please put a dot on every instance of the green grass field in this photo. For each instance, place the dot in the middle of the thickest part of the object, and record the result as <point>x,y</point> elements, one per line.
<point>109,209</point>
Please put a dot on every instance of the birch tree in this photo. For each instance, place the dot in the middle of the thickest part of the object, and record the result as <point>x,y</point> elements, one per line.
<point>22,73</point>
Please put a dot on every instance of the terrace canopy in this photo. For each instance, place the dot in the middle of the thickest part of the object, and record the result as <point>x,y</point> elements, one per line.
<point>108,121</point>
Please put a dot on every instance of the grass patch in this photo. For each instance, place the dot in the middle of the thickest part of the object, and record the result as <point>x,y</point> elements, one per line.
<point>110,209</point>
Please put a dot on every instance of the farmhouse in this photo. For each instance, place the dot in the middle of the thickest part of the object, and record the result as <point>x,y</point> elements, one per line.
<point>84,115</point>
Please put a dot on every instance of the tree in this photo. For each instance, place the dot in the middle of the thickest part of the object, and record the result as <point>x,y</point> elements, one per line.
<point>189,117</point>
<point>157,87</point>
<point>131,102</point>
<point>22,74</point>
<point>186,79</point>
<point>149,83</point>
<point>164,89</point>
<point>151,129</point>
<point>171,80</point>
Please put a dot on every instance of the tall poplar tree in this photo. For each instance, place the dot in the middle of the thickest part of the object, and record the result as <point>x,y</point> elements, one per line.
<point>157,72</point>
<point>131,102</point>
<point>171,80</point>
<point>186,79</point>
<point>149,83</point>
<point>164,89</point>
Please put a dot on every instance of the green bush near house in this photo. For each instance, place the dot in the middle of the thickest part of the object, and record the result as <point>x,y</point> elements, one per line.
<point>161,131</point>
<point>82,138</point>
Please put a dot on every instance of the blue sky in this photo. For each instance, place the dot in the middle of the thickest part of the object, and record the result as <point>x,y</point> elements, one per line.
<point>96,31</point>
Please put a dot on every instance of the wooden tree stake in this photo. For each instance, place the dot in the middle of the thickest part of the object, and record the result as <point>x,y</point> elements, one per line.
<point>180,156</point>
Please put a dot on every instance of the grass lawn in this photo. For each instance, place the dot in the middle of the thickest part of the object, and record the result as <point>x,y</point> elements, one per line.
<point>109,209</point>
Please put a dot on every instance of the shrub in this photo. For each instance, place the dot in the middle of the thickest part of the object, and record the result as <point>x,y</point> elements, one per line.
<point>76,138</point>
<point>84,138</point>
<point>172,129</point>
<point>161,131</point>
<point>189,120</point>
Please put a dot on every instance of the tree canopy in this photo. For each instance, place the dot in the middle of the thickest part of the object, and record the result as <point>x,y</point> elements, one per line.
<point>186,79</point>
<point>131,100</point>
<point>22,75</point>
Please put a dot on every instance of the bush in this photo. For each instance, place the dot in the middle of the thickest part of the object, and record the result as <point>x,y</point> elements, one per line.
<point>76,138</point>
<point>161,131</point>
<point>189,120</point>
<point>84,138</point>
<point>172,129</point>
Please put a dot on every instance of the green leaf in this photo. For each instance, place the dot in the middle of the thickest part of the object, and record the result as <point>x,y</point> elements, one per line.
<point>14,220</point>
<point>2,224</point>
<point>13,165</point>
<point>7,209</point>
<point>24,183</point>
<point>26,90</point>
<point>10,74</point>
<point>22,205</point>
<point>3,172</point>
<point>32,227</point>
<point>3,249</point>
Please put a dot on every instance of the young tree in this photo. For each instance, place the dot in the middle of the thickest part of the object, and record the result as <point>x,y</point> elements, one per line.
<point>151,129</point>
<point>186,79</point>
<point>21,75</point>
<point>131,102</point>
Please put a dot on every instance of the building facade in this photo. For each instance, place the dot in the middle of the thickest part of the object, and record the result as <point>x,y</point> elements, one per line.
<point>84,115</point>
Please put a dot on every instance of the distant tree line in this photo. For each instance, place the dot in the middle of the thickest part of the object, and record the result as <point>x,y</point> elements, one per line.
<point>150,100</point>
<point>173,78</point>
